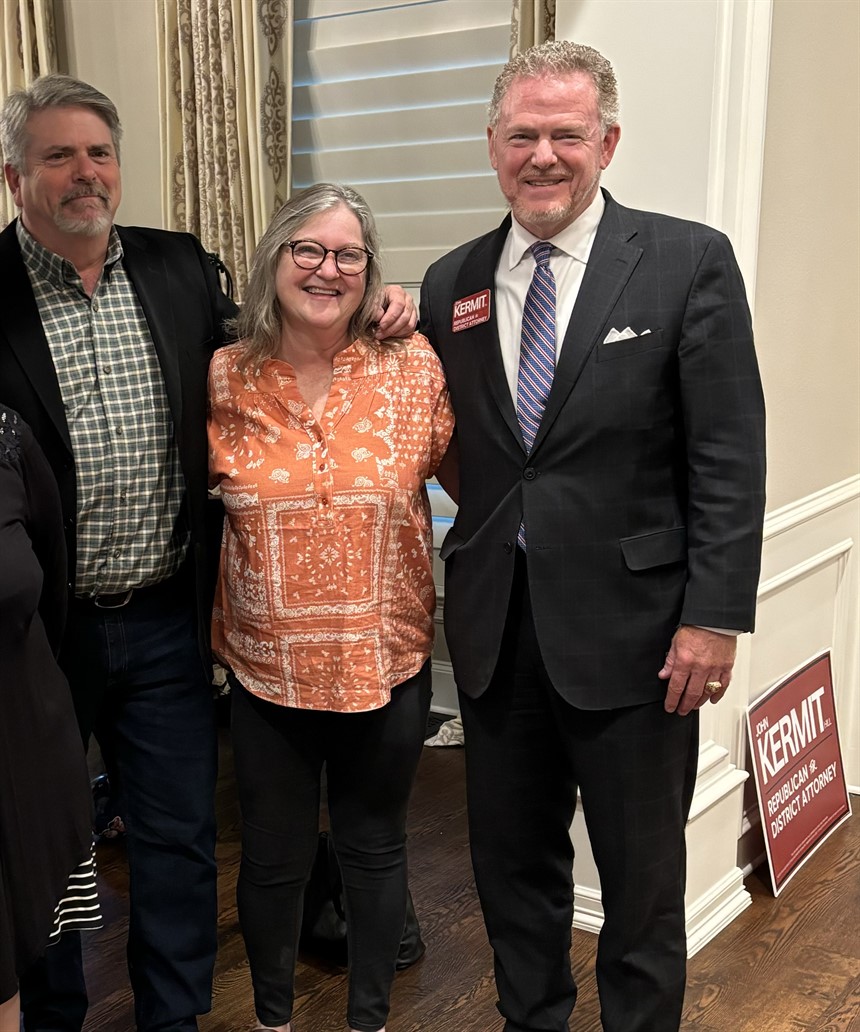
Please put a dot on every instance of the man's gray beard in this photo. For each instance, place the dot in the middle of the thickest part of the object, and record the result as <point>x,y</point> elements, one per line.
<point>544,216</point>
<point>560,212</point>
<point>92,226</point>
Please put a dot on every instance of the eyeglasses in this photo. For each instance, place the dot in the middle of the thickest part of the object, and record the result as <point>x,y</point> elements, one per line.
<point>308,254</point>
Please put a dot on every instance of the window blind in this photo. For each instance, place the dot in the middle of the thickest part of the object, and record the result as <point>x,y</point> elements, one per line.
<point>390,97</point>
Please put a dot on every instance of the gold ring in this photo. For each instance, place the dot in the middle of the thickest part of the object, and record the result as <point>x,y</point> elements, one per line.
<point>712,687</point>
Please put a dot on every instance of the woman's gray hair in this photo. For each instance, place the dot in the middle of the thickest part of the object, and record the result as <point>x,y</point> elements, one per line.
<point>259,321</point>
<point>50,91</point>
<point>558,58</point>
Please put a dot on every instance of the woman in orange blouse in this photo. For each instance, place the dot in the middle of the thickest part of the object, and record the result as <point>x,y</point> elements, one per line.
<point>321,440</point>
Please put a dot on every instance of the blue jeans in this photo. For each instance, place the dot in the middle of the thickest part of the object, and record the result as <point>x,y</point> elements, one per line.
<point>137,678</point>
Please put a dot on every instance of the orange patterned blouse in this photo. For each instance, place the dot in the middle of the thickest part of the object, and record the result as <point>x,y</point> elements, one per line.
<point>325,595</point>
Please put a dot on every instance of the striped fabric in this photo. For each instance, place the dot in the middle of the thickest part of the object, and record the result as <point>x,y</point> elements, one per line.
<point>537,351</point>
<point>78,910</point>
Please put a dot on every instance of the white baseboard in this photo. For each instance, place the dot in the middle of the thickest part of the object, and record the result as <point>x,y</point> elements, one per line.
<point>715,910</point>
<point>706,917</point>
<point>587,908</point>
<point>751,848</point>
<point>444,689</point>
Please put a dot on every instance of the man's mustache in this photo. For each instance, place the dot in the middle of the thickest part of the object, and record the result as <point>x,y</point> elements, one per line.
<point>85,191</point>
<point>543,175</point>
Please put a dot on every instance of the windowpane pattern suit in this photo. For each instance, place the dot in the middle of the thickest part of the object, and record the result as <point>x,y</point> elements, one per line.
<point>642,497</point>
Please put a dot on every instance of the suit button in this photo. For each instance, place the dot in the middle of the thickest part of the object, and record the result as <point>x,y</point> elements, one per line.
<point>508,547</point>
<point>529,473</point>
<point>69,522</point>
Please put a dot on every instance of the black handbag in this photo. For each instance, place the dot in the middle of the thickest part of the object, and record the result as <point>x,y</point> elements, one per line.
<point>323,933</point>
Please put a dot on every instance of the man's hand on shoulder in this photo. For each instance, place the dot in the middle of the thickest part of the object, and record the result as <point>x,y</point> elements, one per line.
<point>696,658</point>
<point>396,316</point>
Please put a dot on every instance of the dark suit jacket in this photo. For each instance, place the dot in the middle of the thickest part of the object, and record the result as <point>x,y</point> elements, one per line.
<point>643,493</point>
<point>185,308</point>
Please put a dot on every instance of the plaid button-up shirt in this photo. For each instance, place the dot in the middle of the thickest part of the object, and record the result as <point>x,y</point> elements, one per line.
<point>129,482</point>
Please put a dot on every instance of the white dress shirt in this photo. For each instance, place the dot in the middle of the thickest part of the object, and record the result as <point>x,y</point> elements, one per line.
<point>571,248</point>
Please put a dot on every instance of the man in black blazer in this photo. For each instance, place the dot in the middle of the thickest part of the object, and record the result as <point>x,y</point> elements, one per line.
<point>606,548</point>
<point>105,339</point>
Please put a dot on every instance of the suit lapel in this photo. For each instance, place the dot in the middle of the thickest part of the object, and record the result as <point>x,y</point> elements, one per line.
<point>478,272</point>
<point>21,325</point>
<point>147,271</point>
<point>613,258</point>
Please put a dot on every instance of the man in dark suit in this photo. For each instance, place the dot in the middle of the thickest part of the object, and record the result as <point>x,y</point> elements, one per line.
<point>606,549</point>
<point>105,339</point>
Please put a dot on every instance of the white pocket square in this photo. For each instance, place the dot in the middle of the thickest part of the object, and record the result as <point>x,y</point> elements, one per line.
<point>624,334</point>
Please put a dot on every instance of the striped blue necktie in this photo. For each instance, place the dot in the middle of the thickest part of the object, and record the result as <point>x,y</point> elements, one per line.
<point>537,351</point>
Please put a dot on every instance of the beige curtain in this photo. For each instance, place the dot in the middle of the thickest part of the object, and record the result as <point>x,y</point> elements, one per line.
<point>29,49</point>
<point>532,22</point>
<point>225,102</point>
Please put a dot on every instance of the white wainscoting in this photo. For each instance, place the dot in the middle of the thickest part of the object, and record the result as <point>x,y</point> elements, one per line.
<point>809,599</point>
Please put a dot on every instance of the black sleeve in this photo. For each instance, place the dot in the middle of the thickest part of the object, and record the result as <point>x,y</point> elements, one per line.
<point>45,527</point>
<point>224,308</point>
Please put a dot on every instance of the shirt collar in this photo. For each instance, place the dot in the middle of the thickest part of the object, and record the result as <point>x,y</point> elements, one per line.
<point>347,363</point>
<point>574,240</point>
<point>59,271</point>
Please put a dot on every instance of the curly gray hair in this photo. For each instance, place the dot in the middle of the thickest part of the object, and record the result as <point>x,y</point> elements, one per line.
<point>560,57</point>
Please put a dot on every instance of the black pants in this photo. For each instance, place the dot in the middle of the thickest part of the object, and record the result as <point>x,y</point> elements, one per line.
<point>370,760</point>
<point>527,752</point>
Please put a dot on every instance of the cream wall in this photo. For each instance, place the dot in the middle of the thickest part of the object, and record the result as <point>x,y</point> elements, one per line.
<point>111,44</point>
<point>808,291</point>
<point>807,320</point>
<point>655,167</point>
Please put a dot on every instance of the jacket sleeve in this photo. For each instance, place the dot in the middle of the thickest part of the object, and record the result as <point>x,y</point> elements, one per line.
<point>46,534</point>
<point>724,428</point>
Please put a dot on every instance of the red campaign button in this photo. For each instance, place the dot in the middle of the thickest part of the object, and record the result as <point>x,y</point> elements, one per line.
<point>470,311</point>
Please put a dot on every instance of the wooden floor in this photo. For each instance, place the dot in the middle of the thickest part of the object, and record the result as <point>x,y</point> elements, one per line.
<point>785,965</point>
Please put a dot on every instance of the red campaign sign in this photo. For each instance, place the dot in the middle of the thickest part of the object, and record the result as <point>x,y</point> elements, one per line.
<point>797,763</point>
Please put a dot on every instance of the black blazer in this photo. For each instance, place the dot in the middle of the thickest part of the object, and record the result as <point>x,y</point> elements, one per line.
<point>643,493</point>
<point>185,308</point>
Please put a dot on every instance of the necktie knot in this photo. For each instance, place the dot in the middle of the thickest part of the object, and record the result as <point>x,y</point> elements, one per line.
<point>542,250</point>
